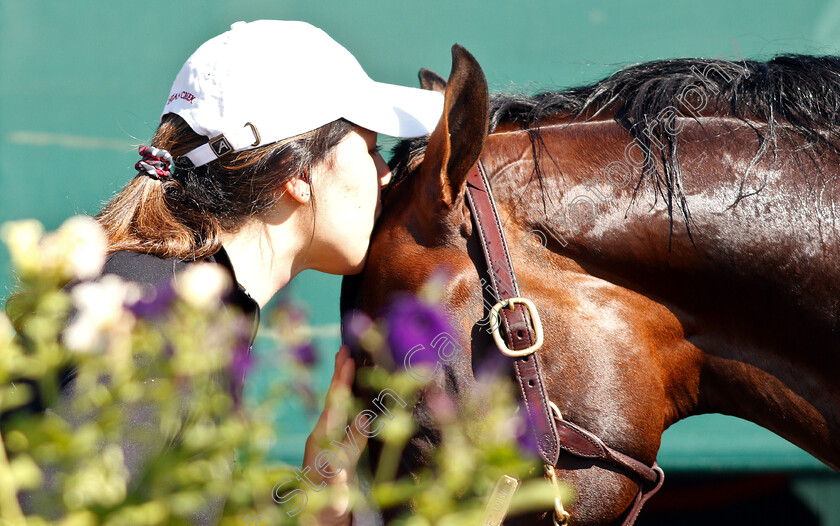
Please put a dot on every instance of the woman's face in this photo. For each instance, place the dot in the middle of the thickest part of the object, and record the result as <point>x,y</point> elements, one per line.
<point>347,193</point>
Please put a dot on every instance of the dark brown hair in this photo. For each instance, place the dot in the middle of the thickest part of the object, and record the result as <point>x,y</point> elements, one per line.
<point>184,215</point>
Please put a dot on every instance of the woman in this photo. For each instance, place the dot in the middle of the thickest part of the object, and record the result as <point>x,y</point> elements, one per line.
<point>265,161</point>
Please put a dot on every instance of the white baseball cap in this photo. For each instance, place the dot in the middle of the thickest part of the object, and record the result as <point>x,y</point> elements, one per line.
<point>269,80</point>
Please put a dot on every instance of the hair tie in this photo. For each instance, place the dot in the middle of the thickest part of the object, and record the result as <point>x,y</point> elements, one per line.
<point>155,162</point>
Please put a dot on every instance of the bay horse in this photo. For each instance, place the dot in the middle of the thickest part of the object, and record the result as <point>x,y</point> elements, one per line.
<point>677,226</point>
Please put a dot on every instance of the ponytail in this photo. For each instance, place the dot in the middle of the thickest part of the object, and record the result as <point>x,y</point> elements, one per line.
<point>185,214</point>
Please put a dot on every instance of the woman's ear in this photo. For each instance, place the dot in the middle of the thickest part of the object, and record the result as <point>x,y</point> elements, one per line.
<point>298,188</point>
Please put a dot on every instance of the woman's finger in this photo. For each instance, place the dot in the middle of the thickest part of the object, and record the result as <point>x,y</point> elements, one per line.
<point>330,399</point>
<point>347,370</point>
<point>338,382</point>
<point>334,417</point>
<point>340,359</point>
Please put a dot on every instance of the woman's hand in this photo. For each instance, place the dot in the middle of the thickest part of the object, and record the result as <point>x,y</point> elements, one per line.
<point>333,426</point>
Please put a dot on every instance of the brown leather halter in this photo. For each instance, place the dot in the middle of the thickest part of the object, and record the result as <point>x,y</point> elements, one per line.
<point>520,328</point>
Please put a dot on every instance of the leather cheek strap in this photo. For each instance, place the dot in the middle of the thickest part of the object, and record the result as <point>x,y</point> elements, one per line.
<point>516,324</point>
<point>551,435</point>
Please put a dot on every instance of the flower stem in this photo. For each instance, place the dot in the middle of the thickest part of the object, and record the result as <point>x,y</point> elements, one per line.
<point>9,506</point>
<point>389,462</point>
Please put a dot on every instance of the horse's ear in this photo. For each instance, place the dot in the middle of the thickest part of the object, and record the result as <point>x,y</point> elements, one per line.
<point>432,81</point>
<point>456,143</point>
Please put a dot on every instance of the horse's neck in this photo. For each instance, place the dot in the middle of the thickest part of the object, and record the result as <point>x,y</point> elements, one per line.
<point>757,290</point>
<point>779,245</point>
<point>784,238</point>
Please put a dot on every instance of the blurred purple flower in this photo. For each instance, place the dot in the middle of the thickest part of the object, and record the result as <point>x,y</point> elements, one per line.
<point>524,432</point>
<point>441,405</point>
<point>492,370</point>
<point>155,304</point>
<point>305,354</point>
<point>412,325</point>
<point>242,361</point>
<point>353,327</point>
<point>492,366</point>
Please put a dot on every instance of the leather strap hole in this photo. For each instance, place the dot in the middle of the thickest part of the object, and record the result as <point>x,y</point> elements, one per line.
<point>530,383</point>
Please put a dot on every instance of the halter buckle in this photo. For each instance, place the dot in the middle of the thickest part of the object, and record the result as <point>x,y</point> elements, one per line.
<point>495,325</point>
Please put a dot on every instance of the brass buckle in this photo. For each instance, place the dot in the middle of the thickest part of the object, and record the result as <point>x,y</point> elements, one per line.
<point>495,325</point>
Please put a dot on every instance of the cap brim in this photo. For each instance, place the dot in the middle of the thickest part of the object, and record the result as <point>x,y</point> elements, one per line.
<point>394,110</point>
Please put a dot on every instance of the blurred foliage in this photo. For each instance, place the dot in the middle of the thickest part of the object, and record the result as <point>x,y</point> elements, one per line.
<point>153,367</point>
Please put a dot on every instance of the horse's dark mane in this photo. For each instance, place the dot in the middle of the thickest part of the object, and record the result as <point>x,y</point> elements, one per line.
<point>798,93</point>
<point>800,90</point>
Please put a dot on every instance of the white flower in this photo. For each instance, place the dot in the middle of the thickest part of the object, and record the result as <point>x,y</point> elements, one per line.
<point>99,309</point>
<point>85,246</point>
<point>22,238</point>
<point>202,285</point>
<point>76,250</point>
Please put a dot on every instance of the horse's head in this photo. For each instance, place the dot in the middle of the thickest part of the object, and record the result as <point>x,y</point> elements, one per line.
<point>424,211</point>
<point>425,227</point>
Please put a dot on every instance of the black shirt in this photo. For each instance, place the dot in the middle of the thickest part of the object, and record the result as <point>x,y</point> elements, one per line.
<point>152,270</point>
<point>148,269</point>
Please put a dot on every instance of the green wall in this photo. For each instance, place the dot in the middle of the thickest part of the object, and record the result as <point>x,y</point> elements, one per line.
<point>82,83</point>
